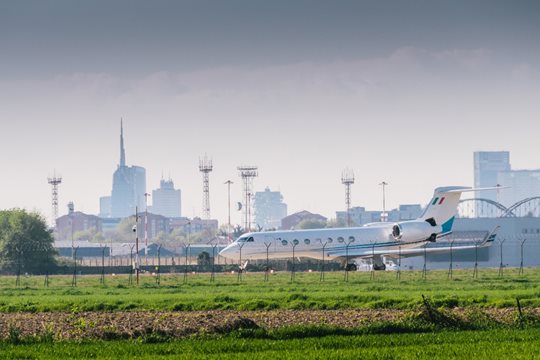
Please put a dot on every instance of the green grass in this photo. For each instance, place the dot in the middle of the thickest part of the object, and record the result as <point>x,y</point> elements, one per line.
<point>490,344</point>
<point>307,292</point>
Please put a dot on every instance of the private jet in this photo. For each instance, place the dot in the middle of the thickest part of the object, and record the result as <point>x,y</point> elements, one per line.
<point>374,242</point>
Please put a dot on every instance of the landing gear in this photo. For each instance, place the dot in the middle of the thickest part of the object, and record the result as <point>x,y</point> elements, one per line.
<point>378,263</point>
<point>351,267</point>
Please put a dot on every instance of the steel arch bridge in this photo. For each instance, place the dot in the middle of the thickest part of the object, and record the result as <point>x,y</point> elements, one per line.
<point>482,208</point>
<point>486,208</point>
<point>529,207</point>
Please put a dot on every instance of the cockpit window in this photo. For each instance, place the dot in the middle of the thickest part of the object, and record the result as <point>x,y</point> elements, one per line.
<point>250,239</point>
<point>242,239</point>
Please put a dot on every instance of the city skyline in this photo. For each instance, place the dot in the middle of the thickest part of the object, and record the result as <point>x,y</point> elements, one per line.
<point>402,93</point>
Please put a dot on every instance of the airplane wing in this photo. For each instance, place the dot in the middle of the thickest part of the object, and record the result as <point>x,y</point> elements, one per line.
<point>409,250</point>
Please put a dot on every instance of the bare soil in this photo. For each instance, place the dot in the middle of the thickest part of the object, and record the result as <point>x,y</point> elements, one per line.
<point>131,324</point>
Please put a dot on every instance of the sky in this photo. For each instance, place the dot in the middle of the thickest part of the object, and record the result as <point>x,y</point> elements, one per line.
<point>400,91</point>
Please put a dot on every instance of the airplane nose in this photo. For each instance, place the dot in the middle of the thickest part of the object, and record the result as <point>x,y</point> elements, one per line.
<point>228,252</point>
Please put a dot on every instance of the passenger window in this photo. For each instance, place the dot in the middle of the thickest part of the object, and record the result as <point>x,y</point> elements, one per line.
<point>307,242</point>
<point>330,240</point>
<point>296,242</point>
<point>340,239</point>
<point>284,242</point>
<point>351,238</point>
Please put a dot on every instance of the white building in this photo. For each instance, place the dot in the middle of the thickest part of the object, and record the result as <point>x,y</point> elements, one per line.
<point>269,209</point>
<point>166,200</point>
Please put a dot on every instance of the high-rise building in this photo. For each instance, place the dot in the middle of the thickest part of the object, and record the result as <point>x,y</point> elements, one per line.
<point>105,207</point>
<point>166,200</point>
<point>519,185</point>
<point>129,186</point>
<point>487,165</point>
<point>269,209</point>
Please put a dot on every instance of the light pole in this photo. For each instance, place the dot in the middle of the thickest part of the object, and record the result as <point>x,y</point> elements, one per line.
<point>383,216</point>
<point>228,183</point>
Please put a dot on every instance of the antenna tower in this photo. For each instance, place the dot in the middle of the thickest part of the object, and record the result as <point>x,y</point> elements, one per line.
<point>247,173</point>
<point>54,182</point>
<point>205,167</point>
<point>347,179</point>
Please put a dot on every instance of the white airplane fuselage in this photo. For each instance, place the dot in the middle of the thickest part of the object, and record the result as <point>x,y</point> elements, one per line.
<point>408,238</point>
<point>354,242</point>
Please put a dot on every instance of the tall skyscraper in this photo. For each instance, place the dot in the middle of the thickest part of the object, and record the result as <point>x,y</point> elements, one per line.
<point>129,185</point>
<point>521,184</point>
<point>166,200</point>
<point>487,165</point>
<point>269,209</point>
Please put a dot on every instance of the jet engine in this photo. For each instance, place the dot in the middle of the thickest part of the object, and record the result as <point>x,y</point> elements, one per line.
<point>415,230</point>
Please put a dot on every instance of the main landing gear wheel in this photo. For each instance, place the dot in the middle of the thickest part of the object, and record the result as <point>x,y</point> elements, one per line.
<point>351,267</point>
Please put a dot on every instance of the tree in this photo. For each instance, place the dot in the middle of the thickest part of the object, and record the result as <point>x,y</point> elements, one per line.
<point>203,260</point>
<point>338,223</point>
<point>26,244</point>
<point>311,224</point>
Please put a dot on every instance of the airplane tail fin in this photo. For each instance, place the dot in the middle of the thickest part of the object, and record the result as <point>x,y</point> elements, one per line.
<point>442,208</point>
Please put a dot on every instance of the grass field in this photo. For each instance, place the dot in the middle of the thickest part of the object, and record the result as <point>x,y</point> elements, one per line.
<point>384,291</point>
<point>492,344</point>
<point>461,317</point>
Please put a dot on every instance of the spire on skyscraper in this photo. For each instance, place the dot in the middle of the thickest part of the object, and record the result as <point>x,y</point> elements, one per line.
<point>122,150</point>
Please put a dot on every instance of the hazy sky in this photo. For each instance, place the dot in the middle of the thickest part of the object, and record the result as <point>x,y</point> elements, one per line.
<point>401,91</point>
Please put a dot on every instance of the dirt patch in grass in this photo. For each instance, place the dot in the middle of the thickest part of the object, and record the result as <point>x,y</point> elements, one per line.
<point>175,324</point>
